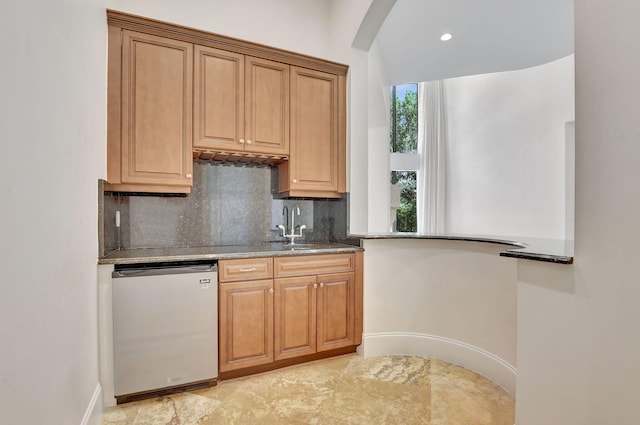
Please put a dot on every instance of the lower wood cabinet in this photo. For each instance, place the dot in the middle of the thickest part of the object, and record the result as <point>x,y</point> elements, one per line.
<point>336,308</point>
<point>311,305</point>
<point>246,324</point>
<point>313,313</point>
<point>175,93</point>
<point>295,316</point>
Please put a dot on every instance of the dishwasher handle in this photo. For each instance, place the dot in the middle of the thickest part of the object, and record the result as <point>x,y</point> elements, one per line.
<point>161,271</point>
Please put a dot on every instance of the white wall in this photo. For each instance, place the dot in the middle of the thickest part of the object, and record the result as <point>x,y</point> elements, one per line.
<point>358,135</point>
<point>506,162</point>
<point>578,327</point>
<point>345,18</point>
<point>378,178</point>
<point>451,300</point>
<point>369,143</point>
<point>52,116</point>
<point>297,25</point>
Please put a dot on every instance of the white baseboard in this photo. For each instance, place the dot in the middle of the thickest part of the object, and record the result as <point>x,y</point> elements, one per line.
<point>93,414</point>
<point>476,359</point>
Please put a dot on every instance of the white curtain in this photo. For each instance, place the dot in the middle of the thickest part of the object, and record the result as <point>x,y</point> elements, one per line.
<point>432,148</point>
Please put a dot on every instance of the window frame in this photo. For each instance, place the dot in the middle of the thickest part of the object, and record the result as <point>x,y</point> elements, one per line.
<point>401,161</point>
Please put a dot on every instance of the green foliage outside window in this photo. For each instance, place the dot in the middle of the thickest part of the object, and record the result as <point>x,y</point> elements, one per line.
<point>406,124</point>
<point>406,219</point>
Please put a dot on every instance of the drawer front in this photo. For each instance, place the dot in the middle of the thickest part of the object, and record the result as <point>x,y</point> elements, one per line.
<point>313,264</point>
<point>245,269</point>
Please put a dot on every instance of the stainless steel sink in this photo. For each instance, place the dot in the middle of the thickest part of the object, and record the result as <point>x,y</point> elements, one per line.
<point>299,246</point>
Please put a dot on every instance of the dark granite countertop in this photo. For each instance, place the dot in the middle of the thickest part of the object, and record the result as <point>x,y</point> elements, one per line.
<point>537,249</point>
<point>155,255</point>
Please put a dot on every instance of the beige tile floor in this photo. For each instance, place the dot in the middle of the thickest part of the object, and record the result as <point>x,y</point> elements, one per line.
<point>384,390</point>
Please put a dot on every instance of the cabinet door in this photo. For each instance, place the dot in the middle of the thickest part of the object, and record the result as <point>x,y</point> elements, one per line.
<point>295,317</point>
<point>267,106</point>
<point>313,160</point>
<point>246,324</point>
<point>218,99</point>
<point>336,308</point>
<point>156,110</point>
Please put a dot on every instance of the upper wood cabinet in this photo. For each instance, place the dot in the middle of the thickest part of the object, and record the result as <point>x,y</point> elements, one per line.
<point>176,93</point>
<point>317,160</point>
<point>218,101</point>
<point>241,103</point>
<point>149,113</point>
<point>267,106</point>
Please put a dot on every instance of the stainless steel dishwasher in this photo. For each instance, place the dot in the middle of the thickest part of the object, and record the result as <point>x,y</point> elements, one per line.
<point>165,328</point>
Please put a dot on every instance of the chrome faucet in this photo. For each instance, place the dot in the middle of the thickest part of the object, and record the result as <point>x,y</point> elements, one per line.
<point>285,214</point>
<point>283,228</point>
<point>295,210</point>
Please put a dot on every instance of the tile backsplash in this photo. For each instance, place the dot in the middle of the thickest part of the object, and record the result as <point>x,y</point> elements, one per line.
<point>228,205</point>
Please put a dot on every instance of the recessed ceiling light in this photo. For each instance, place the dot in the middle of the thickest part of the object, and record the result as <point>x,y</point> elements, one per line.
<point>446,37</point>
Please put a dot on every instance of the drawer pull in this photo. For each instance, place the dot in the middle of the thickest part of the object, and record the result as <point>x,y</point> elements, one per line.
<point>250,269</point>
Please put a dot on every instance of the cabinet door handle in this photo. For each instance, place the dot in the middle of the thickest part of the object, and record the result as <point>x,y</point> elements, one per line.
<point>315,285</point>
<point>294,181</point>
<point>251,269</point>
<point>189,176</point>
<point>241,141</point>
<point>322,284</point>
<point>248,142</point>
<point>271,291</point>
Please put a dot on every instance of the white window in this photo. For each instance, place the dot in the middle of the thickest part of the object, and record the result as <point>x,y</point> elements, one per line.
<point>404,161</point>
<point>418,140</point>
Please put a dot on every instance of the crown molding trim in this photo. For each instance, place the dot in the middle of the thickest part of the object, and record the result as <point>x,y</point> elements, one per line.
<point>217,41</point>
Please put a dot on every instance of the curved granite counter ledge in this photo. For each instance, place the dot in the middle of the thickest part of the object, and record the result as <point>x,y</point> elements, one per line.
<point>537,249</point>
<point>158,255</point>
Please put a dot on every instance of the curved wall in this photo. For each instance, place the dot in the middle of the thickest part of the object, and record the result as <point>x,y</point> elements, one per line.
<point>451,300</point>
<point>506,151</point>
